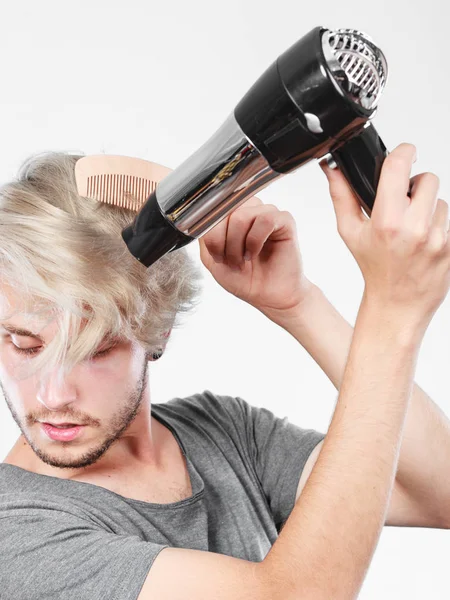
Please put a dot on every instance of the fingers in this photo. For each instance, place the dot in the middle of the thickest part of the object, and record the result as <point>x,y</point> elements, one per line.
<point>392,200</point>
<point>346,205</point>
<point>424,195</point>
<point>246,230</point>
<point>439,238</point>
<point>214,240</point>
<point>258,223</point>
<point>278,225</point>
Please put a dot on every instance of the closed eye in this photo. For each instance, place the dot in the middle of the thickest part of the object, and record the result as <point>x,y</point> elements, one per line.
<point>34,350</point>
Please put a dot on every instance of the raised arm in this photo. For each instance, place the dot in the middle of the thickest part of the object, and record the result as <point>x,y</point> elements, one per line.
<point>327,543</point>
<point>325,547</point>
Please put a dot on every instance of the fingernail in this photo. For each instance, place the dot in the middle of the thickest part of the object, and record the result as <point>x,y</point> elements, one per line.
<point>323,164</point>
<point>217,258</point>
<point>247,256</point>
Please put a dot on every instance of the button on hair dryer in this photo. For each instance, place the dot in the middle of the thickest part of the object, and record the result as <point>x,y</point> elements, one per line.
<point>315,100</point>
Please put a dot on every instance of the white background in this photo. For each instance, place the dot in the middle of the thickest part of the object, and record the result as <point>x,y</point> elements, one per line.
<point>155,80</point>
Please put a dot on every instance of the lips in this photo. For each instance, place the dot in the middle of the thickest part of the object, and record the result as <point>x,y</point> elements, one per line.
<point>62,434</point>
<point>62,424</point>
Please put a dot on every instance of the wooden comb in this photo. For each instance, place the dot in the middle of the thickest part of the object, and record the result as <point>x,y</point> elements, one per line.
<point>119,180</point>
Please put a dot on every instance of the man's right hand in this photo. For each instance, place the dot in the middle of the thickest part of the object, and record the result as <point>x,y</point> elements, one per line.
<point>403,250</point>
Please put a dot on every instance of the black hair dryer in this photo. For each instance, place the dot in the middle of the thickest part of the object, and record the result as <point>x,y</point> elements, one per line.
<point>316,100</point>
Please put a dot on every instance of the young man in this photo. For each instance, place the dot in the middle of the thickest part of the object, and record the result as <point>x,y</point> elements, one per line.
<point>207,496</point>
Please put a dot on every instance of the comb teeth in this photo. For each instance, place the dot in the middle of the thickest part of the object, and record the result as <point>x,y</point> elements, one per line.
<point>126,191</point>
<point>118,180</point>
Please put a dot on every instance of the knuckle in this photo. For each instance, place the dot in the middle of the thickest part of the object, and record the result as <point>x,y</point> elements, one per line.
<point>438,242</point>
<point>238,218</point>
<point>420,235</point>
<point>386,229</point>
<point>406,147</point>
<point>432,179</point>
<point>288,216</point>
<point>425,181</point>
<point>400,155</point>
<point>266,218</point>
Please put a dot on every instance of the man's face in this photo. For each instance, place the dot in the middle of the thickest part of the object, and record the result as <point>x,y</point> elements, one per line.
<point>105,394</point>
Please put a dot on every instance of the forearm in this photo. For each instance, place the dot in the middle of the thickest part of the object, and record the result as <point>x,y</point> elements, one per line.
<point>425,448</point>
<point>326,545</point>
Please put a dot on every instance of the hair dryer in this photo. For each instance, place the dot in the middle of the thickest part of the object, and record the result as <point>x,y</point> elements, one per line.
<point>315,100</point>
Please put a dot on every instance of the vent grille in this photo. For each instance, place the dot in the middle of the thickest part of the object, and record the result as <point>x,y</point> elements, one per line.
<point>363,64</point>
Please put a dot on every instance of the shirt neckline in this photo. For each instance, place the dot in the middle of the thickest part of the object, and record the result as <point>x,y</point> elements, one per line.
<point>197,483</point>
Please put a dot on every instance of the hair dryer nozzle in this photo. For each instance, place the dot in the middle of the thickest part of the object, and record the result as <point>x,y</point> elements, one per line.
<point>357,65</point>
<point>151,235</point>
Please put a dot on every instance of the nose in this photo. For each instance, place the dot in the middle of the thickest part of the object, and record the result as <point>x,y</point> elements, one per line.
<point>54,395</point>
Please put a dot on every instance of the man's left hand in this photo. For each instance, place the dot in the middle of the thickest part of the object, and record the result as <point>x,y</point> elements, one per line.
<point>272,280</point>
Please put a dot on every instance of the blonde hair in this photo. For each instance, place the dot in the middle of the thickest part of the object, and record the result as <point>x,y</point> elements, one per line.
<point>64,256</point>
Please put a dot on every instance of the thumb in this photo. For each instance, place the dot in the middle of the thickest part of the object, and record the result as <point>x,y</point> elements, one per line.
<point>346,205</point>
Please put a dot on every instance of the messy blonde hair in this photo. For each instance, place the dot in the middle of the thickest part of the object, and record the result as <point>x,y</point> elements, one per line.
<point>64,256</point>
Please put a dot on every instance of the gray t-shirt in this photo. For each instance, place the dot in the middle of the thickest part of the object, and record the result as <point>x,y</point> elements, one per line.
<point>64,539</point>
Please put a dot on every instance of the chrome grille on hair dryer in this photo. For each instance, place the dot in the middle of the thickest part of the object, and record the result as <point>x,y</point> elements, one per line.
<point>363,64</point>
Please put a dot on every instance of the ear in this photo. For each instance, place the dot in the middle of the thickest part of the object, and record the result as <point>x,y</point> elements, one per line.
<point>160,352</point>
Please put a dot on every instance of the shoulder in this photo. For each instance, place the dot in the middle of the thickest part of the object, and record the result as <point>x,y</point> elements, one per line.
<point>203,406</point>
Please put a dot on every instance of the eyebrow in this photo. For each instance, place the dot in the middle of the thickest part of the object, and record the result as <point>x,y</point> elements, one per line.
<point>22,332</point>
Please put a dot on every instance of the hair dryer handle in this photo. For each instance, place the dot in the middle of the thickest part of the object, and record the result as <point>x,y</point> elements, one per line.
<point>360,159</point>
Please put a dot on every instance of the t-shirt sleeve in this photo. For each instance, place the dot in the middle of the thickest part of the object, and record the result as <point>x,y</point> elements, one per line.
<point>50,555</point>
<point>278,450</point>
